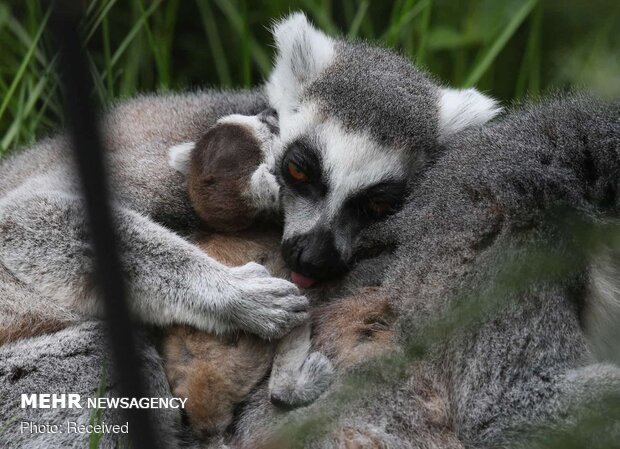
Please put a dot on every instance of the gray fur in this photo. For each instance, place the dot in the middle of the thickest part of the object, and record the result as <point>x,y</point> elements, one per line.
<point>490,191</point>
<point>45,257</point>
<point>73,361</point>
<point>405,115</point>
<point>44,241</point>
<point>526,364</point>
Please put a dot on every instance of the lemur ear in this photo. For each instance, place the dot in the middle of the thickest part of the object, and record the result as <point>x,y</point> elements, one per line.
<point>302,53</point>
<point>464,108</point>
<point>179,156</point>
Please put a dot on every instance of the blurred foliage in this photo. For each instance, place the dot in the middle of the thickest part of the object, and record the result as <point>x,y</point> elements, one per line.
<point>512,272</point>
<point>510,48</point>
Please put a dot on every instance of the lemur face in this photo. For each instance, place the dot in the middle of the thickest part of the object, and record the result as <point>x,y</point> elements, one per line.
<point>357,126</point>
<point>333,184</point>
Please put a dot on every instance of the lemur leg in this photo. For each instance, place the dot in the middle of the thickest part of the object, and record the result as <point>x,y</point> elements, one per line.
<point>44,243</point>
<point>298,376</point>
<point>23,313</point>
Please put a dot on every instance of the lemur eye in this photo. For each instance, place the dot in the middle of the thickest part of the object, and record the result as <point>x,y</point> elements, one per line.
<point>379,208</point>
<point>296,173</point>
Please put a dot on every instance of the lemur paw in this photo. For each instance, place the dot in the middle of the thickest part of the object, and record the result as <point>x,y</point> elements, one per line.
<point>264,189</point>
<point>305,386</point>
<point>250,270</point>
<point>268,307</point>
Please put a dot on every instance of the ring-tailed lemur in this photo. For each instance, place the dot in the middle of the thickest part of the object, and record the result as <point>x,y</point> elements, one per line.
<point>526,363</point>
<point>365,120</point>
<point>335,181</point>
<point>338,174</point>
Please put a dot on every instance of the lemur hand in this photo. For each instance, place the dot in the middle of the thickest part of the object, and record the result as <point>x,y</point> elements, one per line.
<point>268,307</point>
<point>290,389</point>
<point>264,189</point>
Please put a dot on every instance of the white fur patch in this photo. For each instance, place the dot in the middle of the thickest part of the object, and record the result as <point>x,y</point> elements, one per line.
<point>267,139</point>
<point>180,155</point>
<point>297,123</point>
<point>303,52</point>
<point>263,189</point>
<point>463,108</point>
<point>353,161</point>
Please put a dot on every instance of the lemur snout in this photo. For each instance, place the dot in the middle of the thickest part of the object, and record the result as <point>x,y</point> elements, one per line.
<point>314,255</point>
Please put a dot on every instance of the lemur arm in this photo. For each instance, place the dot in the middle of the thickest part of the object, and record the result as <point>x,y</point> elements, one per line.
<point>44,243</point>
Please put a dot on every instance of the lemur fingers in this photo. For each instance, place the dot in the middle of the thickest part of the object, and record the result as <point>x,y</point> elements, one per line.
<point>298,377</point>
<point>302,387</point>
<point>270,307</point>
<point>264,189</point>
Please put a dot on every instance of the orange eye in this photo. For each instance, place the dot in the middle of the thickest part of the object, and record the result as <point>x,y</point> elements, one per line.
<point>296,173</point>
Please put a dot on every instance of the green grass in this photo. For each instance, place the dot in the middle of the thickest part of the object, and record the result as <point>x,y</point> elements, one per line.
<point>96,414</point>
<point>511,48</point>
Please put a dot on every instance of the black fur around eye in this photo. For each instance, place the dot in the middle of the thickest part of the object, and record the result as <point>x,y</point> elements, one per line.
<point>379,201</point>
<point>300,168</point>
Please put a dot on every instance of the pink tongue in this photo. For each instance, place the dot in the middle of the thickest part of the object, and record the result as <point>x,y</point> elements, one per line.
<point>302,281</point>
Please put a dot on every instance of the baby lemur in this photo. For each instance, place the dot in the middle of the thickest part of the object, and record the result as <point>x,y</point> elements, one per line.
<point>231,188</point>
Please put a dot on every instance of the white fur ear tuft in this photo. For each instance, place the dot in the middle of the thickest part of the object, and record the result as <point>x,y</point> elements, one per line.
<point>302,53</point>
<point>463,108</point>
<point>179,156</point>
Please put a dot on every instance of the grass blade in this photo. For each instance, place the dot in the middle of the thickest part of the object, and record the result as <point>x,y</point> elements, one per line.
<point>424,32</point>
<point>358,19</point>
<point>27,108</point>
<point>105,10</point>
<point>215,43</point>
<point>489,56</point>
<point>392,34</point>
<point>24,65</point>
<point>236,20</point>
<point>245,46</point>
<point>130,37</point>
<point>156,49</point>
<point>530,66</point>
